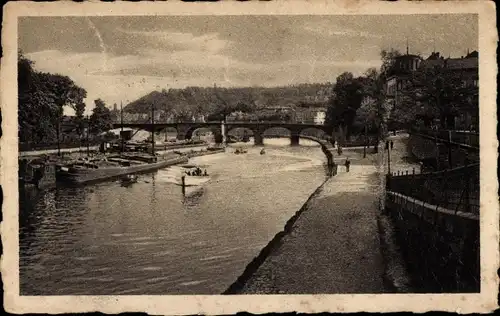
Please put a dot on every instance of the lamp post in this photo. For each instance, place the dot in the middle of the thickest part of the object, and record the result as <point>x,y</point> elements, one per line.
<point>364,148</point>
<point>121,122</point>
<point>388,157</point>
<point>58,132</point>
<point>88,136</point>
<point>153,128</point>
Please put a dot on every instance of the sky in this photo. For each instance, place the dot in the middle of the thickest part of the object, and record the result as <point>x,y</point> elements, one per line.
<point>120,59</point>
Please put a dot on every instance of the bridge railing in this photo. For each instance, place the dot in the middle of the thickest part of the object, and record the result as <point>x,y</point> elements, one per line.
<point>139,121</point>
<point>455,189</point>
<point>467,138</point>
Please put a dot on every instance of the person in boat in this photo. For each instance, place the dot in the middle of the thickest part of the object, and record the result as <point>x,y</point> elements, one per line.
<point>198,171</point>
<point>205,174</point>
<point>188,172</point>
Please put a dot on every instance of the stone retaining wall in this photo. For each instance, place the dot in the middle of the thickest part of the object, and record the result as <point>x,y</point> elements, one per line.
<point>440,246</point>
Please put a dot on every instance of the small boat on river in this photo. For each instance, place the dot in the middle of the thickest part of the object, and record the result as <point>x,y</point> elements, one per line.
<point>194,181</point>
<point>192,185</point>
<point>129,178</point>
<point>262,152</point>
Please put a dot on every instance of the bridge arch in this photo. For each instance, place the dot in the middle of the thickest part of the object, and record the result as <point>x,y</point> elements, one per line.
<point>202,132</point>
<point>170,133</point>
<point>278,132</point>
<point>198,130</point>
<point>314,132</point>
<point>241,133</point>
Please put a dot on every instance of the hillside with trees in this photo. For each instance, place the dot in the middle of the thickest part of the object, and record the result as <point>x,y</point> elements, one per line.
<point>214,101</point>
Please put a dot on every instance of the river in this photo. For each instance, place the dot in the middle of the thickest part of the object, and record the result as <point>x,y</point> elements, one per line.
<point>148,239</point>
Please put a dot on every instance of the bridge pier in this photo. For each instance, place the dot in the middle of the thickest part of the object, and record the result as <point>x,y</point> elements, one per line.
<point>258,139</point>
<point>182,132</point>
<point>181,136</point>
<point>294,139</point>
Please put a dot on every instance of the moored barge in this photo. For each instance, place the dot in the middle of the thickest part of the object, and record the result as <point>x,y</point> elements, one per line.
<point>105,168</point>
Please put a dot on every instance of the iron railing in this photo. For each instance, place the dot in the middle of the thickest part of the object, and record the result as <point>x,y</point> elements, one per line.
<point>454,189</point>
<point>467,138</point>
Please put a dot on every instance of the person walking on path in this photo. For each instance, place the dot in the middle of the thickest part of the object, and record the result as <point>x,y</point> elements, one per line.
<point>392,144</point>
<point>347,164</point>
<point>339,150</point>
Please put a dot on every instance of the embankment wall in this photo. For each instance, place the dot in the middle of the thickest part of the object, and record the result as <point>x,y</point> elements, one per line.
<point>440,246</point>
<point>254,265</point>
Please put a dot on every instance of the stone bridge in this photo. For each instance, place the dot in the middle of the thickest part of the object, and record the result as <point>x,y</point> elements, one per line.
<point>186,130</point>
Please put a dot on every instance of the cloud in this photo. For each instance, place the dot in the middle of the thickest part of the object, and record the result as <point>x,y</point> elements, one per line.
<point>129,77</point>
<point>332,30</point>
<point>132,76</point>
<point>183,41</point>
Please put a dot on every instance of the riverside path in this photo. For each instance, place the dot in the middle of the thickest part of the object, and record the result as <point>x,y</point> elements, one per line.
<point>333,246</point>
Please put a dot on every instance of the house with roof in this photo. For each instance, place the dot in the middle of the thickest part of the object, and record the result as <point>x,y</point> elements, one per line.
<point>398,76</point>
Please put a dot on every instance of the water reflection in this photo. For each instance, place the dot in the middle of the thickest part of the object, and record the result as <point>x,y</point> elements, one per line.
<point>147,238</point>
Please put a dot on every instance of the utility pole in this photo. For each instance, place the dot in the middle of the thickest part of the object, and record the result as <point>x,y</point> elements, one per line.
<point>88,136</point>
<point>450,153</point>
<point>153,128</point>
<point>388,157</point>
<point>364,148</point>
<point>121,122</point>
<point>58,136</point>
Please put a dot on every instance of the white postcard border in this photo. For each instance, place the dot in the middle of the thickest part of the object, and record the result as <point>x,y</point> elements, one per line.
<point>230,304</point>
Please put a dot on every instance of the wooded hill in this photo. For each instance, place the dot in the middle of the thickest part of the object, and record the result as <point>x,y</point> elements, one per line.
<point>197,100</point>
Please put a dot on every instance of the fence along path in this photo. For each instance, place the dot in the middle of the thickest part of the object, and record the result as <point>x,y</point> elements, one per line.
<point>463,139</point>
<point>455,189</point>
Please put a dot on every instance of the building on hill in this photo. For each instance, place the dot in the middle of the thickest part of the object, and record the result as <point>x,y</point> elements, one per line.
<point>276,113</point>
<point>404,66</point>
<point>240,116</point>
<point>311,115</point>
<point>199,118</point>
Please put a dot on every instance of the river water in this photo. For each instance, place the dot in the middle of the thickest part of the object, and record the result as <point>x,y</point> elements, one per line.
<point>107,239</point>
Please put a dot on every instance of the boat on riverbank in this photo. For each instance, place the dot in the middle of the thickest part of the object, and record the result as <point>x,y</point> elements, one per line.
<point>239,151</point>
<point>36,173</point>
<point>105,168</point>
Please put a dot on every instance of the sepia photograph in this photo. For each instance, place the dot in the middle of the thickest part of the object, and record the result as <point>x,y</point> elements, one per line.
<point>218,155</point>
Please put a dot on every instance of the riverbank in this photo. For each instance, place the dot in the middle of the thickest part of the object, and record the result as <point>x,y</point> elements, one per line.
<point>338,242</point>
<point>332,243</point>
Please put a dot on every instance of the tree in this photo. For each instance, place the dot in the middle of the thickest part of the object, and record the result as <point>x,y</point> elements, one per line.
<point>388,58</point>
<point>224,108</point>
<point>100,120</point>
<point>437,92</point>
<point>375,97</point>
<point>183,115</point>
<point>346,98</point>
<point>41,98</point>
